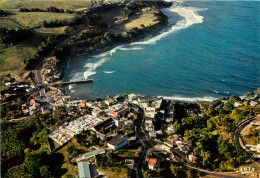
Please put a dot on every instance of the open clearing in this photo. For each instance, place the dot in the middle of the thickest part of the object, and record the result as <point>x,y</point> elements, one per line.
<point>12,58</point>
<point>43,4</point>
<point>58,30</point>
<point>247,138</point>
<point>35,19</point>
<point>146,19</point>
<point>9,23</point>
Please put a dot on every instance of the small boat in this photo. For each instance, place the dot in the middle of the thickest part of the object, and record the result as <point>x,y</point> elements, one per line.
<point>109,72</point>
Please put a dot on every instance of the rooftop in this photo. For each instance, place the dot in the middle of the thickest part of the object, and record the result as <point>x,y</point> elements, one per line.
<point>152,161</point>
<point>83,169</point>
<point>117,140</point>
<point>93,153</point>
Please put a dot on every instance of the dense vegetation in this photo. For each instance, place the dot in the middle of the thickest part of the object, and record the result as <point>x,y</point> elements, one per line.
<point>14,35</point>
<point>60,23</point>
<point>50,9</point>
<point>45,48</point>
<point>2,13</point>
<point>210,135</point>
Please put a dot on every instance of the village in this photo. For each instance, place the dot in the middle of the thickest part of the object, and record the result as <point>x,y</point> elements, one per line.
<point>118,121</point>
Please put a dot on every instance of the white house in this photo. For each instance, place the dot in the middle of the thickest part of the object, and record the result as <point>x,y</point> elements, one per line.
<point>192,158</point>
<point>117,142</point>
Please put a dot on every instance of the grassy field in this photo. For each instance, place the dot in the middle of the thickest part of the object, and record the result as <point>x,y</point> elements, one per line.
<point>71,169</point>
<point>12,58</point>
<point>35,19</point>
<point>249,139</point>
<point>8,23</point>
<point>49,31</point>
<point>127,153</point>
<point>112,172</point>
<point>146,19</point>
<point>43,4</point>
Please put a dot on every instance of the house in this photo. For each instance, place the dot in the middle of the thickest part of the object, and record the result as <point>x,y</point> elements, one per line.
<point>93,153</point>
<point>113,113</point>
<point>150,112</point>
<point>237,104</point>
<point>253,103</point>
<point>110,102</point>
<point>118,122</point>
<point>90,104</point>
<point>192,158</point>
<point>153,163</point>
<point>103,137</point>
<point>165,147</point>
<point>168,143</point>
<point>104,125</point>
<point>117,142</point>
<point>84,171</point>
<point>152,133</point>
<point>169,120</point>
<point>32,102</point>
<point>129,123</point>
<point>8,84</point>
<point>170,129</point>
<point>25,112</point>
<point>159,132</point>
<point>132,97</point>
<point>130,163</point>
<point>45,110</point>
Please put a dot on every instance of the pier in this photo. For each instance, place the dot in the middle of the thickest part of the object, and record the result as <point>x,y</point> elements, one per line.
<point>72,82</point>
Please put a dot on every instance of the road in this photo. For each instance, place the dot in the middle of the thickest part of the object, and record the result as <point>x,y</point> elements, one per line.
<point>39,66</point>
<point>238,130</point>
<point>147,145</point>
<point>23,118</point>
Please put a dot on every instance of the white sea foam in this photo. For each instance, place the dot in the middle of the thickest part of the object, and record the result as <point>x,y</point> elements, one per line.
<point>76,76</point>
<point>188,99</point>
<point>71,86</point>
<point>109,72</point>
<point>93,66</point>
<point>189,15</point>
<point>115,49</point>
<point>88,73</point>
<point>130,49</point>
<point>215,91</point>
<point>226,92</point>
<point>101,55</point>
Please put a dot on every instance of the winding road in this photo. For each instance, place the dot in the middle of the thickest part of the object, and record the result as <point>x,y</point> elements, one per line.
<point>147,145</point>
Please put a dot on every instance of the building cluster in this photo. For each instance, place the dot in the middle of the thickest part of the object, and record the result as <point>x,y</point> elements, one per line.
<point>66,132</point>
<point>49,72</point>
<point>15,87</point>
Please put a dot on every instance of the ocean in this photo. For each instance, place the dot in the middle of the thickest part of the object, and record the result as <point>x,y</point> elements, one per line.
<point>211,51</point>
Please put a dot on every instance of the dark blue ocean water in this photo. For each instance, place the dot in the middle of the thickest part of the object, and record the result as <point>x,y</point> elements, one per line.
<point>212,52</point>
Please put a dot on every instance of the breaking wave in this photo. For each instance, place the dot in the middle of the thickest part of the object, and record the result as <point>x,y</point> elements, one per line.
<point>189,99</point>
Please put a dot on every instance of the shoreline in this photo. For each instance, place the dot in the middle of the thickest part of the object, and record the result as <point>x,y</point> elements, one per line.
<point>169,14</point>
<point>153,32</point>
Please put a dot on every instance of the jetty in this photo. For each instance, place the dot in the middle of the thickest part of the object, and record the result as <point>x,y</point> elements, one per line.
<point>72,82</point>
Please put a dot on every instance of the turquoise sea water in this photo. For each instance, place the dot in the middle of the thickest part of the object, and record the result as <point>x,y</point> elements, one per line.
<point>212,52</point>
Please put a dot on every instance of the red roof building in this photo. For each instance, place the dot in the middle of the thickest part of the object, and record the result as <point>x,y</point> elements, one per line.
<point>153,163</point>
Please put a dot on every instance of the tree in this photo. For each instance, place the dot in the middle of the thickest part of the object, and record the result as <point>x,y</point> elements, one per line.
<point>33,162</point>
<point>177,171</point>
<point>250,95</point>
<point>44,172</point>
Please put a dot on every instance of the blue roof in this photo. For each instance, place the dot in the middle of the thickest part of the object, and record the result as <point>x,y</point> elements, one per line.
<point>84,171</point>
